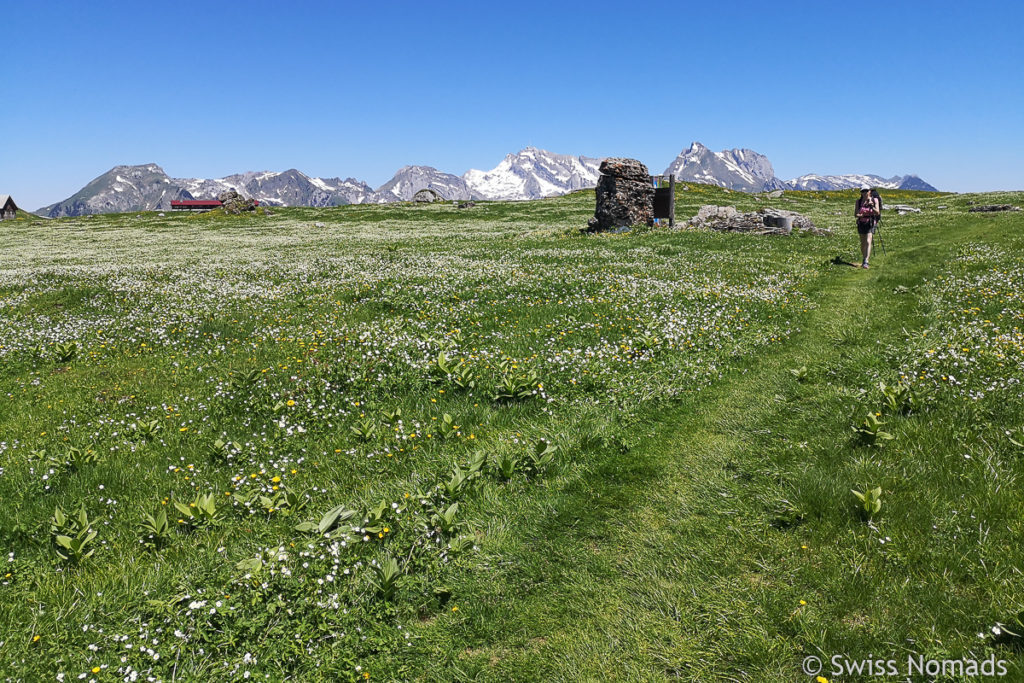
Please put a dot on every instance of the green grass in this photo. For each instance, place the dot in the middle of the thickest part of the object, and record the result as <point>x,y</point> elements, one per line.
<point>696,520</point>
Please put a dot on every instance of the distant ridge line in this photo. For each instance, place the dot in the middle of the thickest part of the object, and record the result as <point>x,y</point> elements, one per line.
<point>531,173</point>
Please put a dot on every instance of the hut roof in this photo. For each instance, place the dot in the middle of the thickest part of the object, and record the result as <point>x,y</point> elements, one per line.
<point>196,202</point>
<point>4,199</point>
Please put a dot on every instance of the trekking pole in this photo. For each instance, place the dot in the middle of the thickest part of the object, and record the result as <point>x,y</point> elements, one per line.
<point>878,234</point>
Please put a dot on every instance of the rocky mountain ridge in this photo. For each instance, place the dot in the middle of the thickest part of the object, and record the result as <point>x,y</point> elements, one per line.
<point>530,173</point>
<point>747,171</point>
<point>736,169</point>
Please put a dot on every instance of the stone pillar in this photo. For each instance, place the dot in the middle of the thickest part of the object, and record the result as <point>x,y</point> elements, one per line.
<point>625,196</point>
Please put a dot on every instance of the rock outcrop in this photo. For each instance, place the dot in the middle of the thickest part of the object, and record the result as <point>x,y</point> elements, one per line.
<point>902,209</point>
<point>625,196</point>
<point>426,196</point>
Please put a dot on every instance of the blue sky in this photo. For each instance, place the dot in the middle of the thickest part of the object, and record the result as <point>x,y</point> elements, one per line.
<point>361,89</point>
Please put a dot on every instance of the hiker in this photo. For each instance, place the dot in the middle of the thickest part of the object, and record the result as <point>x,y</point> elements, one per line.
<point>869,209</point>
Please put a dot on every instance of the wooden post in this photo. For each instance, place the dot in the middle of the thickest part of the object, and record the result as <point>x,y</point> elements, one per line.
<point>672,201</point>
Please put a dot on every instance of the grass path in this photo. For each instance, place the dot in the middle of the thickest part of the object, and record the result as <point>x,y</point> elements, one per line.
<point>690,557</point>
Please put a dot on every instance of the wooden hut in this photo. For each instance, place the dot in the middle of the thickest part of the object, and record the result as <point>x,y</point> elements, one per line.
<point>8,209</point>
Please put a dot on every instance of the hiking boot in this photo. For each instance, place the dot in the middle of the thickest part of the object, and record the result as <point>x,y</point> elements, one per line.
<point>864,265</point>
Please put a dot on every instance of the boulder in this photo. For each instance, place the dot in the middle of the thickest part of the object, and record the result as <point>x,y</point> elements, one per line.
<point>426,196</point>
<point>712,213</point>
<point>625,196</point>
<point>903,209</point>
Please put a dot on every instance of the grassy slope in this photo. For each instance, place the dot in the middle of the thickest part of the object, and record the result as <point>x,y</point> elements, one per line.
<point>674,548</point>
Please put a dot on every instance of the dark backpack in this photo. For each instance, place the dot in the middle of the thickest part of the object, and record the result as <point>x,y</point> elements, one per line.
<point>874,194</point>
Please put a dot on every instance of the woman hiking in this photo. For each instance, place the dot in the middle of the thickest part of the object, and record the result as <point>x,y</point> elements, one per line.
<point>868,210</point>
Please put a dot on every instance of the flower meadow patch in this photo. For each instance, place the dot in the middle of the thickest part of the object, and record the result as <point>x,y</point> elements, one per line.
<point>231,385</point>
<point>975,346</point>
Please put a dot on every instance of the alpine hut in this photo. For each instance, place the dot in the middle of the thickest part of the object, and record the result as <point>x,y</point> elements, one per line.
<point>8,209</point>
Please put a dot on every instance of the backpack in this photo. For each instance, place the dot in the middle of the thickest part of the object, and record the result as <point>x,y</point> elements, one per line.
<point>875,195</point>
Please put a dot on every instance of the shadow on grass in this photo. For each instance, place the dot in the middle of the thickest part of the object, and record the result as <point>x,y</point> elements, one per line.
<point>838,261</point>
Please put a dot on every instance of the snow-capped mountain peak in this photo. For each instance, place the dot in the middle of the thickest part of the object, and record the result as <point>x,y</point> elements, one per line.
<point>736,169</point>
<point>532,173</point>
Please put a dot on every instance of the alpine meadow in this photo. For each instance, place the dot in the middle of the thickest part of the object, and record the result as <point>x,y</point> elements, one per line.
<point>418,442</point>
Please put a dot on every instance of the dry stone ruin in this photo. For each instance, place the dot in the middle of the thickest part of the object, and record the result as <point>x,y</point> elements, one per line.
<point>625,196</point>
<point>762,222</point>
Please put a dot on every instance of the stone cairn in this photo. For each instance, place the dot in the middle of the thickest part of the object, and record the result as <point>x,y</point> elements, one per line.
<point>625,196</point>
<point>235,203</point>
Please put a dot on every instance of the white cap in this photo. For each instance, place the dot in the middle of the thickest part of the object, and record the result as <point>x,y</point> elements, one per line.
<point>865,187</point>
